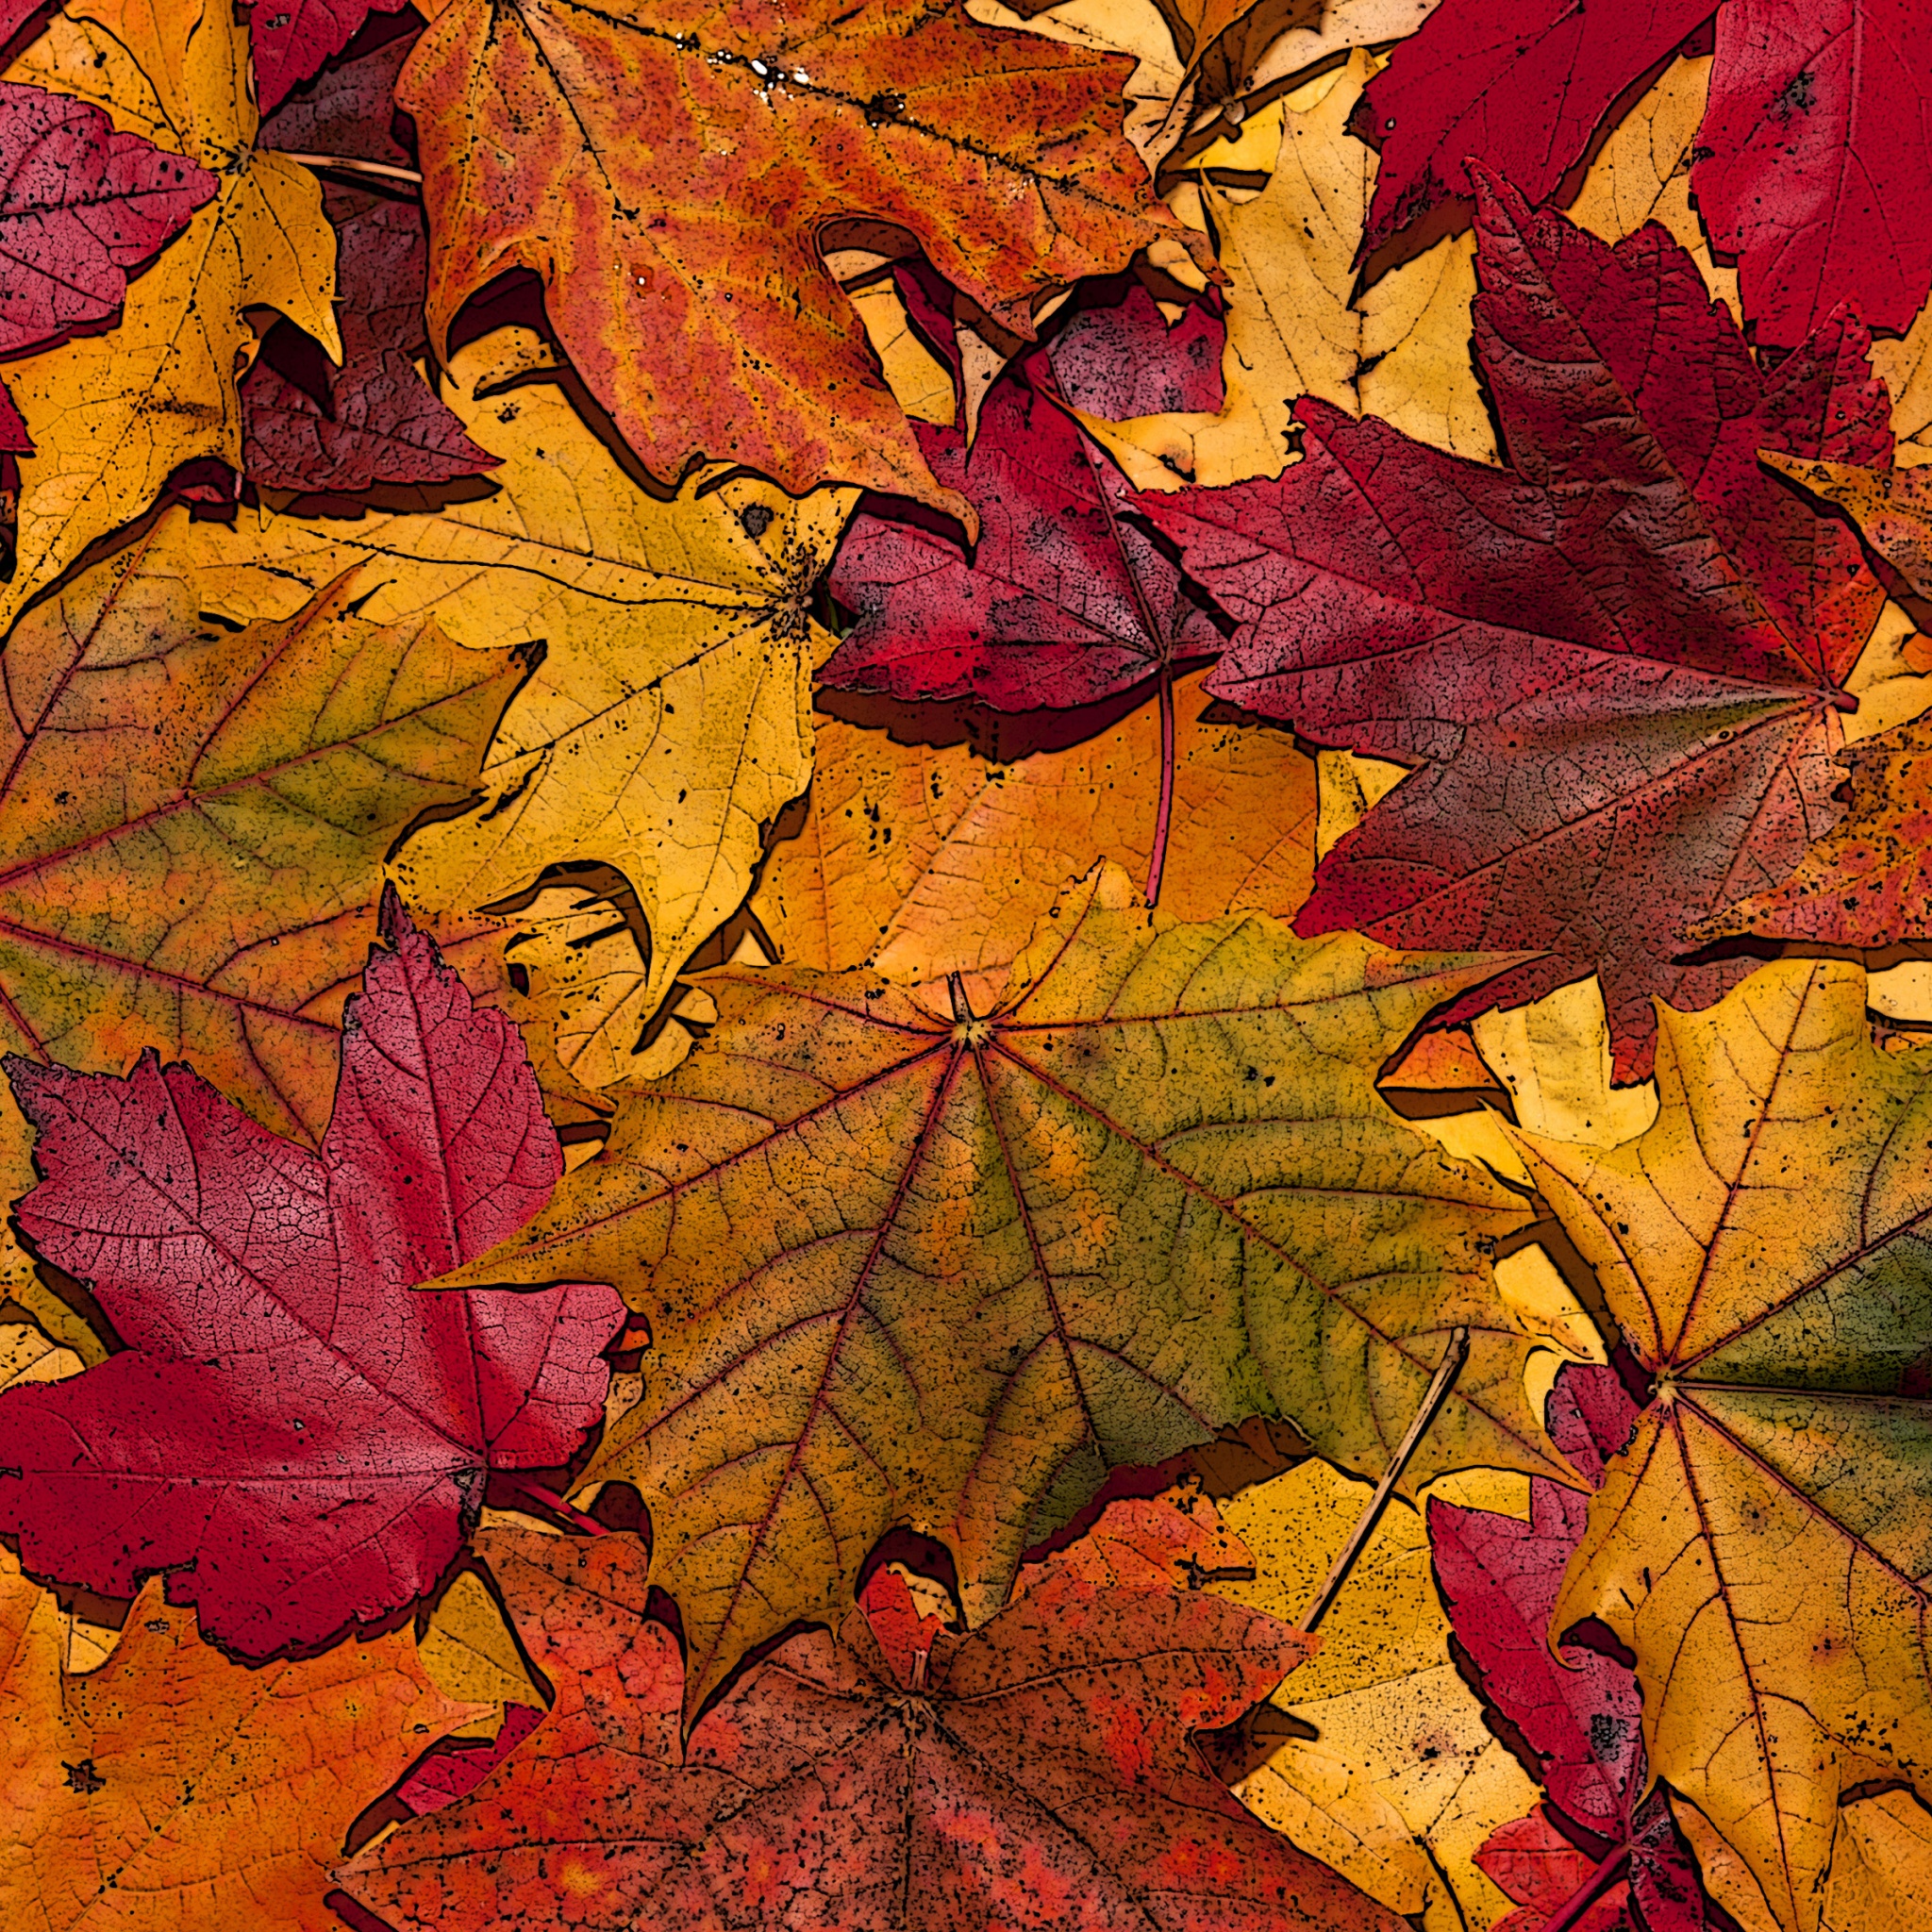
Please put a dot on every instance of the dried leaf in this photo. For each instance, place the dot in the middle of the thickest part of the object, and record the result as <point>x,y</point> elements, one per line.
<point>1292,327</point>
<point>655,165</point>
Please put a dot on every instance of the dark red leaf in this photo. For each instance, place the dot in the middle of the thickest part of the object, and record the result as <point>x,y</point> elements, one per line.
<point>1036,1772</point>
<point>1122,359</point>
<point>290,39</point>
<point>1062,602</point>
<point>306,425</point>
<point>1616,665</point>
<point>1517,85</point>
<point>1817,160</point>
<point>290,1432</point>
<point>83,204</point>
<point>14,439</point>
<point>350,110</point>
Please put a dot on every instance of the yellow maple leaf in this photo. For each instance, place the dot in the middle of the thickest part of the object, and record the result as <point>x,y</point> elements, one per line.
<point>669,720</point>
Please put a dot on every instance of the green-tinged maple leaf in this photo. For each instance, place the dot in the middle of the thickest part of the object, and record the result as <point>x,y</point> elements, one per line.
<point>1762,1543</point>
<point>906,1266</point>
<point>193,818</point>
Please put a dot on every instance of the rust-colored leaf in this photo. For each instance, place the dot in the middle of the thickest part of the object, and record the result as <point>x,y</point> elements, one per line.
<point>668,171</point>
<point>890,1778</point>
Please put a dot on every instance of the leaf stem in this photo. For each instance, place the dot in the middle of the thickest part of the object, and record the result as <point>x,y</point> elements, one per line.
<point>548,1499</point>
<point>1164,815</point>
<point>955,992</point>
<point>1452,1359</point>
<point>1592,1888</point>
<point>348,164</point>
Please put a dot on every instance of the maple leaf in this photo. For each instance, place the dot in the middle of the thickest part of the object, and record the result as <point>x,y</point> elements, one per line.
<point>669,718</point>
<point>1063,602</point>
<point>84,206</point>
<point>1815,159</point>
<point>1517,85</point>
<point>290,1434</point>
<point>661,168</point>
<point>1616,668</point>
<point>311,427</point>
<point>1756,1546</point>
<point>112,416</point>
<point>1035,1771</point>
<point>194,819</point>
<point>171,1786</point>
<point>901,1266</point>
<point>906,857</point>
<point>292,38</point>
<point>1578,1711</point>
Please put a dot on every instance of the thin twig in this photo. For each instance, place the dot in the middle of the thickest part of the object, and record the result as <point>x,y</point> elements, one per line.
<point>348,164</point>
<point>1164,813</point>
<point>1452,1360</point>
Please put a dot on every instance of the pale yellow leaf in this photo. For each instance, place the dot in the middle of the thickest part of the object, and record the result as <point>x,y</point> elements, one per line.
<point>1402,1781</point>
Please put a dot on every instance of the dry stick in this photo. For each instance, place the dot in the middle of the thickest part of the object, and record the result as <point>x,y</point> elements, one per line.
<point>1452,1360</point>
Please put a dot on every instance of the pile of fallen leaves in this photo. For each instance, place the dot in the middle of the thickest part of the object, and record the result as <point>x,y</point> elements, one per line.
<point>966,967</point>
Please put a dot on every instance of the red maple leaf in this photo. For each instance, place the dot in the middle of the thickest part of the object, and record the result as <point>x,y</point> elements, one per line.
<point>1034,1773</point>
<point>1578,1711</point>
<point>1063,602</point>
<point>84,205</point>
<point>289,1432</point>
<point>1615,667</point>
<point>1814,158</point>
